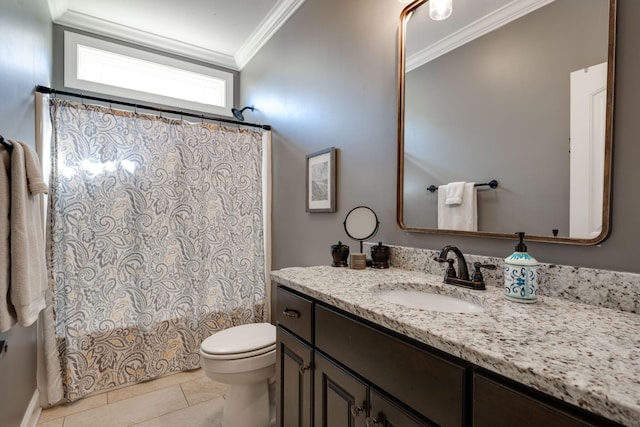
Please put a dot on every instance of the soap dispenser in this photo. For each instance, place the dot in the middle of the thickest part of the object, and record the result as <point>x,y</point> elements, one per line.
<point>521,275</point>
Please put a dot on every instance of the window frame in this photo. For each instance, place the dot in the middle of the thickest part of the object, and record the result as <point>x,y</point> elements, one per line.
<point>71,80</point>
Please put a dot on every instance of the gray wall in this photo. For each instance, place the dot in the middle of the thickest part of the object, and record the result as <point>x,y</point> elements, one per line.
<point>328,78</point>
<point>498,108</point>
<point>25,50</point>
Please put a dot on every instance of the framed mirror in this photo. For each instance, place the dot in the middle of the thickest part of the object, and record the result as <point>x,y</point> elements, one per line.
<point>517,91</point>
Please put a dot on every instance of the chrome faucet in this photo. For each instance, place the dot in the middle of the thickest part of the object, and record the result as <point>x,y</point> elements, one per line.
<point>462,278</point>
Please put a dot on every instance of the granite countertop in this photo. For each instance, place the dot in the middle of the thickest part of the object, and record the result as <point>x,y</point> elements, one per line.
<point>585,355</point>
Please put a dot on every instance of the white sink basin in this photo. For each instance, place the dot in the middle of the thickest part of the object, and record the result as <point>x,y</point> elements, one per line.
<point>428,301</point>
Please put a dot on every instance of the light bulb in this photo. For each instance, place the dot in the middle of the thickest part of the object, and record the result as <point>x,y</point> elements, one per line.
<point>440,9</point>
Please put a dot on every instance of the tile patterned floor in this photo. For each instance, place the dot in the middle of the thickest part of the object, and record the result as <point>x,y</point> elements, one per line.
<point>184,399</point>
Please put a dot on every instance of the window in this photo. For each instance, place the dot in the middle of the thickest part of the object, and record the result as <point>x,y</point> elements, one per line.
<point>112,69</point>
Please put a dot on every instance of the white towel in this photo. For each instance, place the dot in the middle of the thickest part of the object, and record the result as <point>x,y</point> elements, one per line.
<point>454,192</point>
<point>462,217</point>
<point>8,316</point>
<point>28,262</point>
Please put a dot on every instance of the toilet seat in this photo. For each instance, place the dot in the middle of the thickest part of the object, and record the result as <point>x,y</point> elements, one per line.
<point>232,356</point>
<point>240,342</point>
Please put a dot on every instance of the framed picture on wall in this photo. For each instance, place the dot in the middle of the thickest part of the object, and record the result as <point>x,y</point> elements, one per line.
<point>321,181</point>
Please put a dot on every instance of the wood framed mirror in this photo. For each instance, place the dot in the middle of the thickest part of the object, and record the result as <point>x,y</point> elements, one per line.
<point>497,92</point>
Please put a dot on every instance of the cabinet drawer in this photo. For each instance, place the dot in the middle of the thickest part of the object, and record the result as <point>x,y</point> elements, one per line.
<point>498,405</point>
<point>294,313</point>
<point>427,383</point>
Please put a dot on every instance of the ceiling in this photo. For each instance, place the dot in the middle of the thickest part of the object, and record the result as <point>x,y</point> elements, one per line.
<point>222,32</point>
<point>470,19</point>
<point>229,33</point>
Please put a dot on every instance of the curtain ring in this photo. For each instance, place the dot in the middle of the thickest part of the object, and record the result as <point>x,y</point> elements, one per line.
<point>202,118</point>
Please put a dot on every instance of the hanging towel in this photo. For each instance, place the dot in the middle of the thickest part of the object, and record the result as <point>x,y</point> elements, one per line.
<point>453,195</point>
<point>28,263</point>
<point>7,313</point>
<point>463,216</point>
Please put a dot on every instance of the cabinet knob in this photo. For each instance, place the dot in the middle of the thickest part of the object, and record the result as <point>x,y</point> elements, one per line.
<point>291,313</point>
<point>356,410</point>
<point>372,421</point>
<point>303,369</point>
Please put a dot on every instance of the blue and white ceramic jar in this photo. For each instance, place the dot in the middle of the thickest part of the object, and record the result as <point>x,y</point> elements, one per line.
<point>521,275</point>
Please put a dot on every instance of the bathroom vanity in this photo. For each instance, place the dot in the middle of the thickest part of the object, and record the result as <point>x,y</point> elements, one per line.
<point>348,358</point>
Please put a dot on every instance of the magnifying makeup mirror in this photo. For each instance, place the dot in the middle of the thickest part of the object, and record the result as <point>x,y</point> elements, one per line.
<point>361,224</point>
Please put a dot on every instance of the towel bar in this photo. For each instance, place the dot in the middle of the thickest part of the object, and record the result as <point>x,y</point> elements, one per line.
<point>492,184</point>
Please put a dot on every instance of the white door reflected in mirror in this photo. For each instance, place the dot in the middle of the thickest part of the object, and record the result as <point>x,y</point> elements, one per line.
<point>587,130</point>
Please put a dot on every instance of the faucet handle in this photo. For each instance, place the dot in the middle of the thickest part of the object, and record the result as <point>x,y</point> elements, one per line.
<point>477,274</point>
<point>451,271</point>
<point>479,265</point>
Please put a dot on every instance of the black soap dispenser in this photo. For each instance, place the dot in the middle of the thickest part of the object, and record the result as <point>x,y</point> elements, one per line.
<point>380,256</point>
<point>340,255</point>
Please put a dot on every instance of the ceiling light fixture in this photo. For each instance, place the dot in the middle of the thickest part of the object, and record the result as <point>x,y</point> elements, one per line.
<point>440,9</point>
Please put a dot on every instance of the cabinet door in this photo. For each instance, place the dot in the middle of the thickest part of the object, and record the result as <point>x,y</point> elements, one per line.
<point>385,413</point>
<point>294,381</point>
<point>340,398</point>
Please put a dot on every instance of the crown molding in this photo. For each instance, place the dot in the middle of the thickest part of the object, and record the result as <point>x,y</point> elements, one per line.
<point>498,18</point>
<point>276,18</point>
<point>57,8</point>
<point>279,14</point>
<point>81,21</point>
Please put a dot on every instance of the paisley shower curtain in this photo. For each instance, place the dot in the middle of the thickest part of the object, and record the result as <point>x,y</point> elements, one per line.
<point>156,241</point>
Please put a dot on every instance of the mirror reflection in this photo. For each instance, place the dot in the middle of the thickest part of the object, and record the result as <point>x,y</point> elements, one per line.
<point>516,91</point>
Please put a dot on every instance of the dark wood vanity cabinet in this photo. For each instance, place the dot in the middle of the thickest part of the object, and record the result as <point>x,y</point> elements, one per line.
<point>334,369</point>
<point>498,402</point>
<point>352,370</point>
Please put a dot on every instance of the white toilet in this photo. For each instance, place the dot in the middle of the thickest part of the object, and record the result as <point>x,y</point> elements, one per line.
<point>245,358</point>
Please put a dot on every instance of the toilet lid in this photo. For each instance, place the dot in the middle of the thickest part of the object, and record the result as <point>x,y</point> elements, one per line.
<point>241,339</point>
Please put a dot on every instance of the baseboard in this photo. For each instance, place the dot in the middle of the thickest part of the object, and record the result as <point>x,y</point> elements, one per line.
<point>32,414</point>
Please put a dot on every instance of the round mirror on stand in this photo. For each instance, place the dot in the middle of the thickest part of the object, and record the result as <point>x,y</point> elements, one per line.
<point>361,223</point>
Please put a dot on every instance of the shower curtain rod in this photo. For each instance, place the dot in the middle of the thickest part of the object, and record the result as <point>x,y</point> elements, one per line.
<point>44,89</point>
